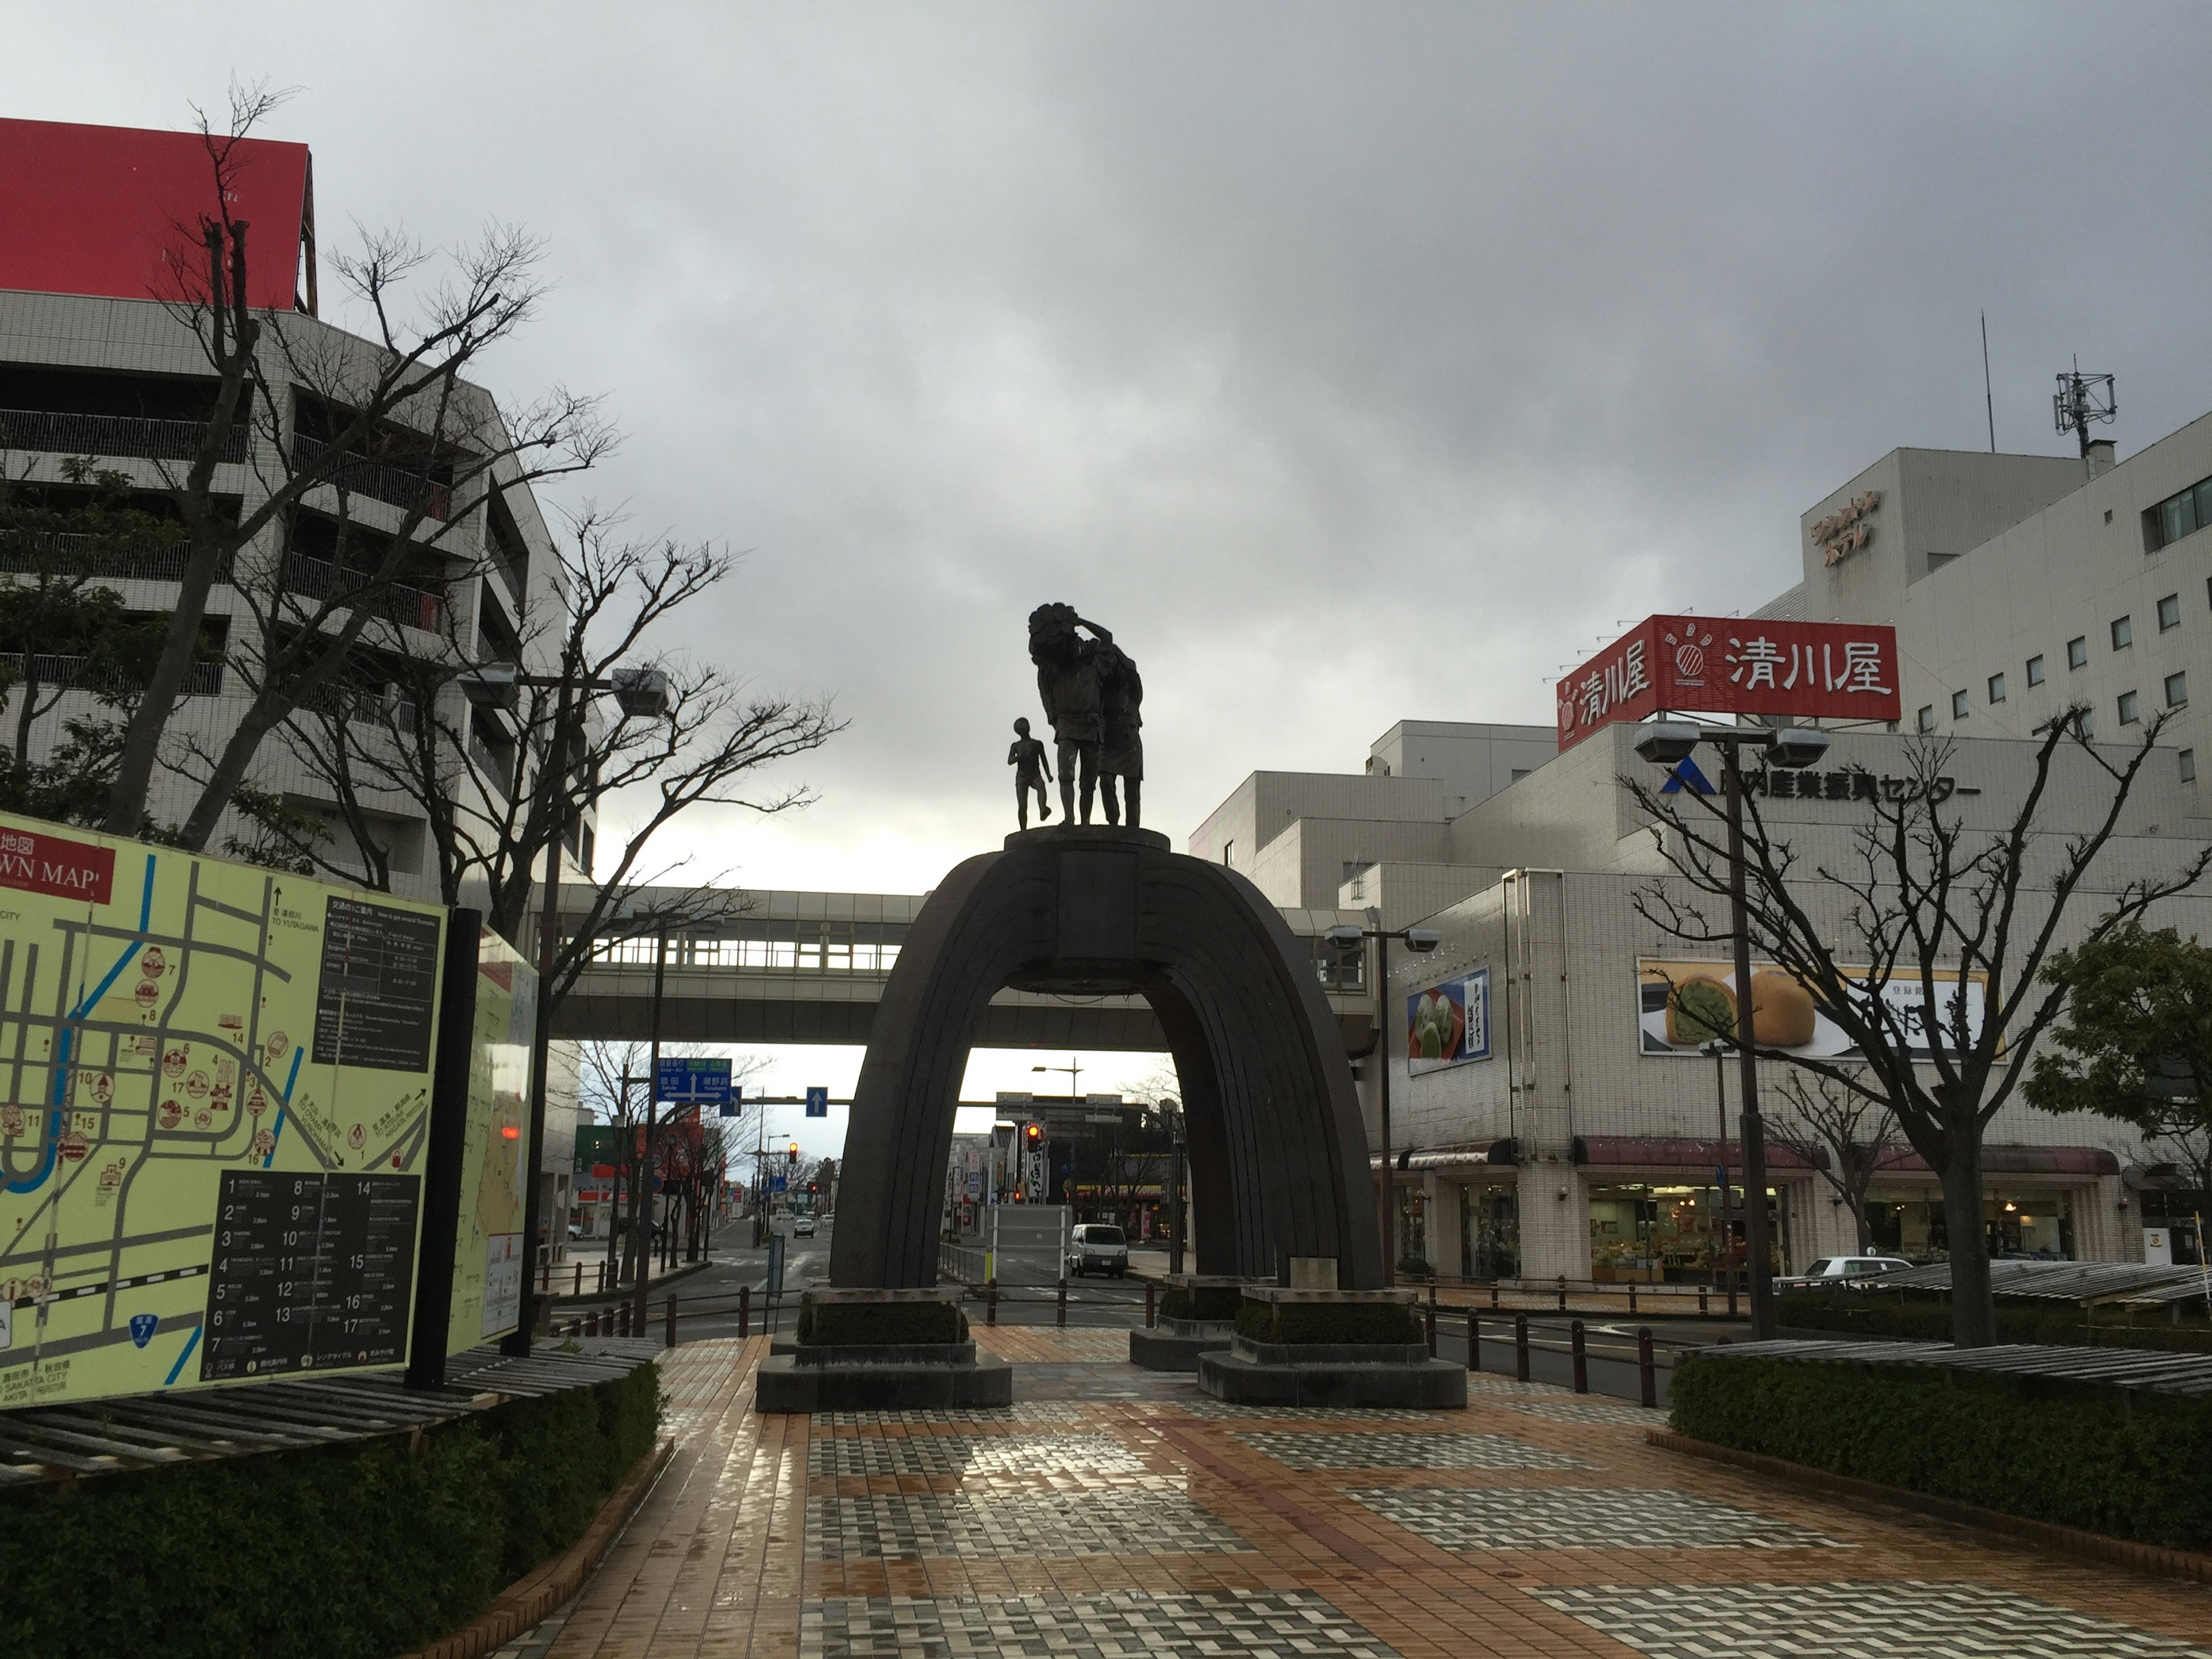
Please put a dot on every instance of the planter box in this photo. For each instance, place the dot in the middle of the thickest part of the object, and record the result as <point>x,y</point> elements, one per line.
<point>814,1376</point>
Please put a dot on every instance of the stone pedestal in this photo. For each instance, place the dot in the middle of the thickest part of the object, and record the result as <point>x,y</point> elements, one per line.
<point>1176,1344</point>
<point>888,1376</point>
<point>1348,1373</point>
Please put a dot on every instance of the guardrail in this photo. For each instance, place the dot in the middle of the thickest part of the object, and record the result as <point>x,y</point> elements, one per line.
<point>202,679</point>
<point>395,486</point>
<point>319,579</point>
<point>92,556</point>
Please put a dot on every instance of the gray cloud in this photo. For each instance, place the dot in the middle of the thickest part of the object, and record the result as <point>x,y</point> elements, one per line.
<point>1352,363</point>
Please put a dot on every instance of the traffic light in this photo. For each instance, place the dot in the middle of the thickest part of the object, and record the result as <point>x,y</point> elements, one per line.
<point>794,1151</point>
<point>1033,1133</point>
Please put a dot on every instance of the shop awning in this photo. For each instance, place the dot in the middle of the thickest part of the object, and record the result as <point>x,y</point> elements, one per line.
<point>2091,1161</point>
<point>1666,1152</point>
<point>1472,1155</point>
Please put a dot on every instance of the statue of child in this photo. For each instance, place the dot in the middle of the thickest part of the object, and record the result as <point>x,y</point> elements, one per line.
<point>1031,771</point>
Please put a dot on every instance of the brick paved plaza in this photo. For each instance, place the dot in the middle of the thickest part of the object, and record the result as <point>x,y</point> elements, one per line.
<point>1111,1512</point>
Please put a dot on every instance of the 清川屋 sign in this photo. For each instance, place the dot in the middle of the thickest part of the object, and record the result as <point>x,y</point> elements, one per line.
<point>1724,665</point>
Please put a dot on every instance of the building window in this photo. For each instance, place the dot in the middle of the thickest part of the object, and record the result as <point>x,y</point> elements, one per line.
<point>2180,514</point>
<point>1519,773</point>
<point>2077,652</point>
<point>2177,690</point>
<point>2035,670</point>
<point>1958,705</point>
<point>1925,719</point>
<point>2189,766</point>
<point>2123,632</point>
<point>2129,714</point>
<point>2083,725</point>
<point>2169,612</point>
<point>1227,847</point>
<point>1996,688</point>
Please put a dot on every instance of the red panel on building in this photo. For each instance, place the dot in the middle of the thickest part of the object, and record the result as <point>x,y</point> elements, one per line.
<point>111,210</point>
<point>1732,665</point>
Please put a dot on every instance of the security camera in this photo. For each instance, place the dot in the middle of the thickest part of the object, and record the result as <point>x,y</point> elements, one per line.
<point>1423,940</point>
<point>1796,747</point>
<point>1667,742</point>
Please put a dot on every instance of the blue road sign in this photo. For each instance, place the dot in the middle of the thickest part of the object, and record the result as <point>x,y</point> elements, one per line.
<point>729,1109</point>
<point>818,1103</point>
<point>775,1183</point>
<point>692,1081</point>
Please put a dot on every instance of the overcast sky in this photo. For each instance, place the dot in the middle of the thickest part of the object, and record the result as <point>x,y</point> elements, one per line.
<point>1352,362</point>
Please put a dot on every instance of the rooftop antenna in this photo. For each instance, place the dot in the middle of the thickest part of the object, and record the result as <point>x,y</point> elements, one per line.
<point>2081,401</point>
<point>1989,400</point>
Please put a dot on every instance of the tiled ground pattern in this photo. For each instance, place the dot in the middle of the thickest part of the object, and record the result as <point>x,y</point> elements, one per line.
<point>1202,1406</point>
<point>1022,1411</point>
<point>1130,1624</point>
<point>1580,1518</point>
<point>844,1456</point>
<point>910,1526</point>
<point>716,1563</point>
<point>1592,1410</point>
<point>1319,1448</point>
<point>1861,1620</point>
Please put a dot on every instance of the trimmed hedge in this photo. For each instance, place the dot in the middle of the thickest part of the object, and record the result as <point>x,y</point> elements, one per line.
<point>2124,1462</point>
<point>1328,1322</point>
<point>355,1551</point>
<point>1925,1316</point>
<point>1214,1301</point>
<point>880,1324</point>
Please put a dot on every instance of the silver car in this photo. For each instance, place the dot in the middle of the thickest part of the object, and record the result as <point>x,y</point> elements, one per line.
<point>1841,1273</point>
<point>1097,1247</point>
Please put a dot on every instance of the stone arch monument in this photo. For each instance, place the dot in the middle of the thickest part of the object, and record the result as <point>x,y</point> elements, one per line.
<point>1277,1149</point>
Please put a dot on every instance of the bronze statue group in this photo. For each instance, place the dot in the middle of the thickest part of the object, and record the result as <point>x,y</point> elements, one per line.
<point>1092,696</point>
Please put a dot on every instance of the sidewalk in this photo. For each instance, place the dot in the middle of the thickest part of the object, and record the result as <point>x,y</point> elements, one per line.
<point>1155,1521</point>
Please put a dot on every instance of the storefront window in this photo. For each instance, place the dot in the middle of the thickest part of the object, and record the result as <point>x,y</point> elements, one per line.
<point>1412,1231</point>
<point>1650,1235</point>
<point>1910,1222</point>
<point>1490,1231</point>
<point>2030,1226</point>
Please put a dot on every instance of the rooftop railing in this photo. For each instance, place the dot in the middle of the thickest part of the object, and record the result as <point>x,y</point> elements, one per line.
<point>202,679</point>
<point>411,607</point>
<point>42,431</point>
<point>395,486</point>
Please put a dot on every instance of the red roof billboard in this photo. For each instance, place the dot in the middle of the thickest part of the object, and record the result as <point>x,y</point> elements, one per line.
<point>111,210</point>
<point>1734,665</point>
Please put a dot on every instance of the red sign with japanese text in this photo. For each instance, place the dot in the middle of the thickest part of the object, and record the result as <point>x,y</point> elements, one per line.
<point>1734,665</point>
<point>61,868</point>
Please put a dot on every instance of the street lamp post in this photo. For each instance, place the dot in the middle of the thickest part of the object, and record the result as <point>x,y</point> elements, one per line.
<point>1420,941</point>
<point>643,692</point>
<point>641,1221</point>
<point>1669,743</point>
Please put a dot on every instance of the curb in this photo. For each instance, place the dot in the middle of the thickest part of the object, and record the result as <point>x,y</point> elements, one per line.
<point>2155,1559</point>
<point>524,1604</point>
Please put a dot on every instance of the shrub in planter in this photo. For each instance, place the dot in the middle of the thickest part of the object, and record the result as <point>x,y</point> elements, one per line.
<point>1415,1267</point>
<point>355,1551</point>
<point>2125,1462</point>
<point>1211,1302</point>
<point>880,1324</point>
<point>1925,1316</point>
<point>1376,1322</point>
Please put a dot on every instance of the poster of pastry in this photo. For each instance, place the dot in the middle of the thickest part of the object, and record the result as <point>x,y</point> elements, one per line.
<point>1448,1025</point>
<point>1682,1006</point>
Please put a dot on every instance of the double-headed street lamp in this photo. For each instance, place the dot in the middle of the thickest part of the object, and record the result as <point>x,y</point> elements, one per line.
<point>641,693</point>
<point>1669,743</point>
<point>1420,941</point>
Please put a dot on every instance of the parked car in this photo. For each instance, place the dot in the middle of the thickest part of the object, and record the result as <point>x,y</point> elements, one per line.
<point>1841,1271</point>
<point>1096,1248</point>
<point>803,1227</point>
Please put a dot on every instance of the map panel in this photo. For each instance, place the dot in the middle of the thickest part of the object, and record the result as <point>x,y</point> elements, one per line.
<point>489,1258</point>
<point>180,1034</point>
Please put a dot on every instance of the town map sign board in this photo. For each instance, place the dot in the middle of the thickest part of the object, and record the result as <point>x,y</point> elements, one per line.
<point>1734,665</point>
<point>214,1103</point>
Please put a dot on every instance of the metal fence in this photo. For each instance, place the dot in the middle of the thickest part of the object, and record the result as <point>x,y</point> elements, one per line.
<point>44,431</point>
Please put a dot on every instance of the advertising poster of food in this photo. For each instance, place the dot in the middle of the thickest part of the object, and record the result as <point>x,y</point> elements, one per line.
<point>1448,1025</point>
<point>216,1103</point>
<point>489,1258</point>
<point>1683,1004</point>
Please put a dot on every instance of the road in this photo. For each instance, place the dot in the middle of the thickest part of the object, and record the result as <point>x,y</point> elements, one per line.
<point>707,1304</point>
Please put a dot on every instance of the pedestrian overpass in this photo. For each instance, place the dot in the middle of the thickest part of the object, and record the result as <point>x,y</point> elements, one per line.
<point>797,967</point>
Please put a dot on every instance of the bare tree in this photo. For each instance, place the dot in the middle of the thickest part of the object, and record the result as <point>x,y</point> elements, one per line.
<point>489,822</point>
<point>1842,1135</point>
<point>614,1086</point>
<point>1928,909</point>
<point>325,420</point>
